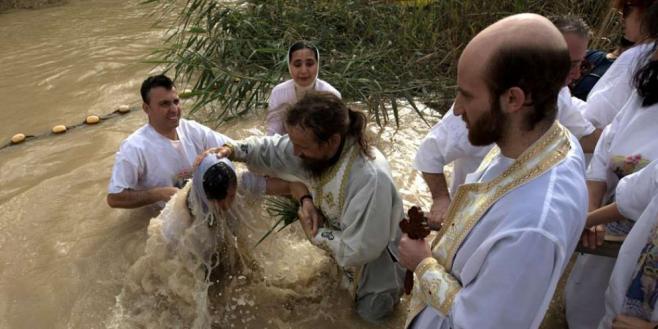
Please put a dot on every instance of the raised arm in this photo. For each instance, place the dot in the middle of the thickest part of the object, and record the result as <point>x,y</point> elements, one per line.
<point>134,199</point>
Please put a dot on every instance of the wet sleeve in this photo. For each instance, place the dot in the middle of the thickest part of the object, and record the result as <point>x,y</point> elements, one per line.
<point>271,156</point>
<point>598,166</point>
<point>634,192</point>
<point>127,169</point>
<point>609,94</point>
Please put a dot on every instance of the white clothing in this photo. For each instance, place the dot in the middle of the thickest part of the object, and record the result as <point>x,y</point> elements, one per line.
<point>614,88</point>
<point>146,159</point>
<point>284,95</point>
<point>510,261</point>
<point>626,145</point>
<point>637,199</point>
<point>448,141</point>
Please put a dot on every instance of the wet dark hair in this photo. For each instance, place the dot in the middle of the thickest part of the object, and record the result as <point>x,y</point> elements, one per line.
<point>303,45</point>
<point>325,115</point>
<point>217,180</point>
<point>155,81</point>
<point>539,71</point>
<point>646,77</point>
<point>572,24</point>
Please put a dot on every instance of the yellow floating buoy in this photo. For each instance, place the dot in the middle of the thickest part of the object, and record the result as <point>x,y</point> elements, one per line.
<point>59,129</point>
<point>18,138</point>
<point>92,120</point>
<point>124,109</point>
<point>185,94</point>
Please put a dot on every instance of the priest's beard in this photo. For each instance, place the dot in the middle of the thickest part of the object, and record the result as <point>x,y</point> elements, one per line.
<point>317,167</point>
<point>488,128</point>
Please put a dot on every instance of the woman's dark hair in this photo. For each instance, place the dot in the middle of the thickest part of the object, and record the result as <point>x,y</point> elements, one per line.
<point>539,71</point>
<point>325,115</point>
<point>646,77</point>
<point>217,180</point>
<point>303,45</point>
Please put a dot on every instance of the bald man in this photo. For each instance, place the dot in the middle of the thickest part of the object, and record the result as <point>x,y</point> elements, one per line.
<point>511,228</point>
<point>447,142</point>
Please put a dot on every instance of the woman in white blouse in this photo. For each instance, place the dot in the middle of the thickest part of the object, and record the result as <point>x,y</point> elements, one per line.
<point>303,66</point>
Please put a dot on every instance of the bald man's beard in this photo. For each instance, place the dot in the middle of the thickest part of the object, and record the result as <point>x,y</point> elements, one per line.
<point>488,128</point>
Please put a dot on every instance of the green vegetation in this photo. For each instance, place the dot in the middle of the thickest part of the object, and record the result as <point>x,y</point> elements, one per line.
<point>379,53</point>
<point>283,210</point>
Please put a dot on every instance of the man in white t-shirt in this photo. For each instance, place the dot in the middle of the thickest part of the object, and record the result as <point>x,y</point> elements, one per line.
<point>153,162</point>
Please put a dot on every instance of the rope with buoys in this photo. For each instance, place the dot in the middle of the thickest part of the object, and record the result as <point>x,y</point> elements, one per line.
<point>19,138</point>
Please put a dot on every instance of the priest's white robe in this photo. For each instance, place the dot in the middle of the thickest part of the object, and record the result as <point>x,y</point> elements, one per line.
<point>506,240</point>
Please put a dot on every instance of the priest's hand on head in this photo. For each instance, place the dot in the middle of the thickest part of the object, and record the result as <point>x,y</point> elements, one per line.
<point>412,252</point>
<point>629,322</point>
<point>438,212</point>
<point>593,237</point>
<point>221,152</point>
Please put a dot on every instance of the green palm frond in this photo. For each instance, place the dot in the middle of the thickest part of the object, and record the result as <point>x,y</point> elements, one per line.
<point>284,210</point>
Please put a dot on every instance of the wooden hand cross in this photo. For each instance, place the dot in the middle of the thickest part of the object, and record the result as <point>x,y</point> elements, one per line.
<point>416,228</point>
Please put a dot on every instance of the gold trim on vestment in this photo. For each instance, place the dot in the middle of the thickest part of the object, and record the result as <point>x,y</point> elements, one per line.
<point>473,200</point>
<point>349,154</point>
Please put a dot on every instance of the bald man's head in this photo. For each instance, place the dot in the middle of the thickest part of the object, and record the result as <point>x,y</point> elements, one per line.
<point>525,51</point>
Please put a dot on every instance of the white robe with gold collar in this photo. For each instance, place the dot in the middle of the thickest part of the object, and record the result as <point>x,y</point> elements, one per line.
<point>506,240</point>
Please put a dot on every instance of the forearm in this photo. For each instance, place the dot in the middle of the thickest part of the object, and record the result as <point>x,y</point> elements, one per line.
<point>296,189</point>
<point>604,215</point>
<point>437,184</point>
<point>134,199</point>
<point>271,155</point>
<point>595,190</point>
<point>588,143</point>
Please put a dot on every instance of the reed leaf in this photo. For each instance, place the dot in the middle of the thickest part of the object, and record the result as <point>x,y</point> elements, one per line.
<point>373,52</point>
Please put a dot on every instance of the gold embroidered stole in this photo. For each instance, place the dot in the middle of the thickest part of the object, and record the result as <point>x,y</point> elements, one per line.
<point>473,200</point>
<point>329,196</point>
<point>329,190</point>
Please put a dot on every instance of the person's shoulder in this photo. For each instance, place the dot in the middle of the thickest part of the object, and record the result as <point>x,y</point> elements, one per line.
<point>634,53</point>
<point>326,86</point>
<point>138,138</point>
<point>188,125</point>
<point>373,166</point>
